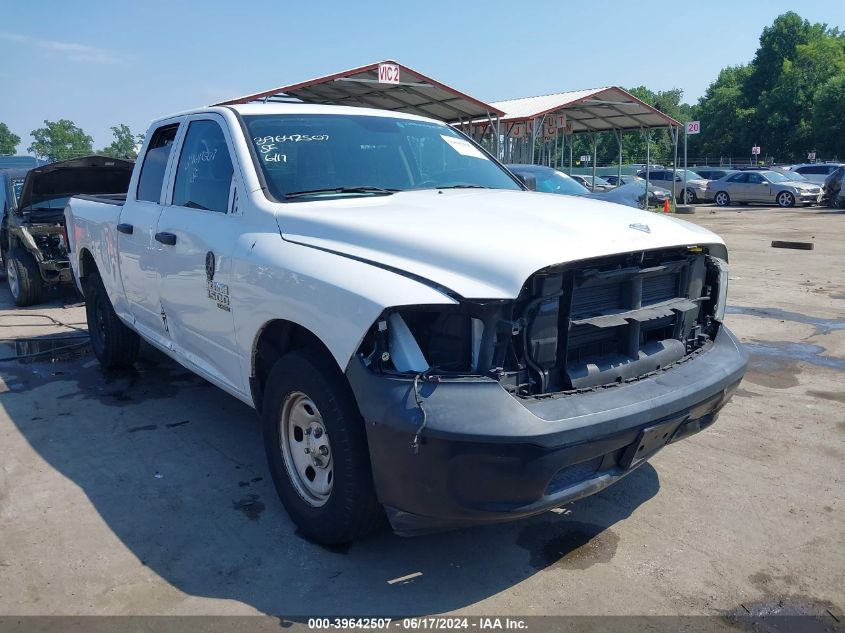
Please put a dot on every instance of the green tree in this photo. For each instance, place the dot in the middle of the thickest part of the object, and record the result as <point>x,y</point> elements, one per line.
<point>828,122</point>
<point>724,120</point>
<point>125,143</point>
<point>8,140</point>
<point>60,140</point>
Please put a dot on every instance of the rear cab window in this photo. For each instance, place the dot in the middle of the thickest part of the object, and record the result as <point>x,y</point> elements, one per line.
<point>155,163</point>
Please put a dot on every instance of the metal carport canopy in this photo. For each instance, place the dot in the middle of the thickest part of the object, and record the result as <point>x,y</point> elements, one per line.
<point>413,93</point>
<point>595,110</point>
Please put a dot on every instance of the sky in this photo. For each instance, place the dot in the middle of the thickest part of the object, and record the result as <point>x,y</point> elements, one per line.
<point>101,63</point>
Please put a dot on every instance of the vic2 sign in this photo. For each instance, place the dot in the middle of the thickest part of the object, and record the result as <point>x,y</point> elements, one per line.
<point>693,127</point>
<point>388,73</point>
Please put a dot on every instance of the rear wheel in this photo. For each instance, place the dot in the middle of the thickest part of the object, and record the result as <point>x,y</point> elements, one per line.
<point>317,451</point>
<point>114,344</point>
<point>722,199</point>
<point>23,277</point>
<point>785,199</point>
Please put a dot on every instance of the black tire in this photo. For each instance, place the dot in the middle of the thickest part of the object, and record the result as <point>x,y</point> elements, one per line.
<point>114,344</point>
<point>690,197</point>
<point>722,199</point>
<point>23,277</point>
<point>351,509</point>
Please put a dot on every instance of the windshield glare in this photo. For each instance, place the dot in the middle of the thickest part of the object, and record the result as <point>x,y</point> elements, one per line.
<point>325,152</point>
<point>774,176</point>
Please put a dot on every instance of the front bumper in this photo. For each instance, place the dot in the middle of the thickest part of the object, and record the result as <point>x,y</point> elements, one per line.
<point>487,456</point>
<point>810,198</point>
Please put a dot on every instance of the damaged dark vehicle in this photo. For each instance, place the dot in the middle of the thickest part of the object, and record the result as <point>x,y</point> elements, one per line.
<point>33,237</point>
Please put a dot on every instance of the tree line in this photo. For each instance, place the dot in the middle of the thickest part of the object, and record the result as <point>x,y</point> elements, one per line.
<point>789,100</point>
<point>63,139</point>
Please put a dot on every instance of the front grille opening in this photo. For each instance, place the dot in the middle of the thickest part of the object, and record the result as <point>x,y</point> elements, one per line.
<point>624,317</point>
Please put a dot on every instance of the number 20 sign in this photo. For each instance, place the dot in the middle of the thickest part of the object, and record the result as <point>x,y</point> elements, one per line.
<point>693,127</point>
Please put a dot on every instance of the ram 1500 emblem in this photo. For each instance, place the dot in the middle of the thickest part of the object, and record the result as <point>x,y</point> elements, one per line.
<point>640,227</point>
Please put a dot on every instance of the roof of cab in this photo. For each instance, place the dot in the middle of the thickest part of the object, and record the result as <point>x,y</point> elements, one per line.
<point>249,109</point>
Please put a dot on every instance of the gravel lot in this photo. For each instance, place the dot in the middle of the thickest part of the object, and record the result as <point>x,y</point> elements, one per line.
<point>147,492</point>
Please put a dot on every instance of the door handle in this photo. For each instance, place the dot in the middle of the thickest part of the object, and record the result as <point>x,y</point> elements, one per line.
<point>125,228</point>
<point>166,238</point>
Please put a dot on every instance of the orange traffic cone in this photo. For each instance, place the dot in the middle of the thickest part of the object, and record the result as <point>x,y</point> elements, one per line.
<point>665,206</point>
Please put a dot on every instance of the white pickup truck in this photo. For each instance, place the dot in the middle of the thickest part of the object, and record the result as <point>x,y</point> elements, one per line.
<point>423,338</point>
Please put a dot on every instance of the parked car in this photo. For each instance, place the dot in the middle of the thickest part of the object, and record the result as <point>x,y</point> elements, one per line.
<point>712,173</point>
<point>422,337</point>
<point>33,238</point>
<point>657,195</point>
<point>600,183</point>
<point>832,189</point>
<point>762,186</point>
<point>696,185</point>
<point>549,180</point>
<point>11,183</point>
<point>816,172</point>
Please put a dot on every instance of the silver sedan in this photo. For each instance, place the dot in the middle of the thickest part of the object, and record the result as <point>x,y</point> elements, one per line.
<point>762,186</point>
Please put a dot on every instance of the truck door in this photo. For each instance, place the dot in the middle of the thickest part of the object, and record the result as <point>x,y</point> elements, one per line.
<point>135,230</point>
<point>196,235</point>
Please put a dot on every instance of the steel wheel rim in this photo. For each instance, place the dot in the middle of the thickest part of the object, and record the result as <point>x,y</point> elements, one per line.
<point>305,449</point>
<point>12,276</point>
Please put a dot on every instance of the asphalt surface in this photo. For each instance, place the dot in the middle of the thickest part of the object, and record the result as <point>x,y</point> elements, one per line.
<point>146,492</point>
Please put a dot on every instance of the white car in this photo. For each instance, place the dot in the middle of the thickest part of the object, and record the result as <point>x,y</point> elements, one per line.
<point>816,172</point>
<point>423,339</point>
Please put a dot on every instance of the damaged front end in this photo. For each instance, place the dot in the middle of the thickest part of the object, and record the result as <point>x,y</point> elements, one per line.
<point>46,240</point>
<point>487,411</point>
<point>574,327</point>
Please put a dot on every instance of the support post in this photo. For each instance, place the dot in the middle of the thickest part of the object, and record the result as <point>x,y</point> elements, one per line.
<point>593,137</point>
<point>686,135</point>
<point>647,163</point>
<point>673,132</point>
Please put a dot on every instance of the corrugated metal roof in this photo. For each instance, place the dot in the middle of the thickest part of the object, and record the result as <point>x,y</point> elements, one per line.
<point>593,110</point>
<point>414,94</point>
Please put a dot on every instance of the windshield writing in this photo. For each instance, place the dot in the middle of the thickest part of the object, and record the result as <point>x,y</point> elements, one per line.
<point>304,156</point>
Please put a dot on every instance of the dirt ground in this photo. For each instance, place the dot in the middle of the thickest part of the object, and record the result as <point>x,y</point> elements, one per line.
<point>147,492</point>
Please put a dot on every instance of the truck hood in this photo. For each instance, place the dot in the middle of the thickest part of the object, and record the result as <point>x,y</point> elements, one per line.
<point>50,186</point>
<point>479,243</point>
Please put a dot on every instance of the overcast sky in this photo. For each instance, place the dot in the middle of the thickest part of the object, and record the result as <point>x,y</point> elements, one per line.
<point>100,63</point>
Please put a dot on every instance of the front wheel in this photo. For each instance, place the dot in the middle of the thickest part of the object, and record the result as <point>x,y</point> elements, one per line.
<point>114,344</point>
<point>722,199</point>
<point>785,199</point>
<point>317,451</point>
<point>690,197</point>
<point>23,277</point>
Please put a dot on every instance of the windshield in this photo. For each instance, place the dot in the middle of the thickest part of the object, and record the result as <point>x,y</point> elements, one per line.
<point>17,186</point>
<point>774,176</point>
<point>599,181</point>
<point>307,155</point>
<point>553,181</point>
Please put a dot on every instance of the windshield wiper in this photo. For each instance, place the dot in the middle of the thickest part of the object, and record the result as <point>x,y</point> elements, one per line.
<point>309,192</point>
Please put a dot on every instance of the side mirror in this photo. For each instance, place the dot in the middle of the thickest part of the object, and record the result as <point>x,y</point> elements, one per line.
<point>529,180</point>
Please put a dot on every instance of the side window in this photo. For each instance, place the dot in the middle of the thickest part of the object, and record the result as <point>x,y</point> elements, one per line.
<point>755,179</point>
<point>737,178</point>
<point>204,173</point>
<point>155,162</point>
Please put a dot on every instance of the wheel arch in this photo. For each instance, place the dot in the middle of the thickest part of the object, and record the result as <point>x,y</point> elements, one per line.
<point>274,339</point>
